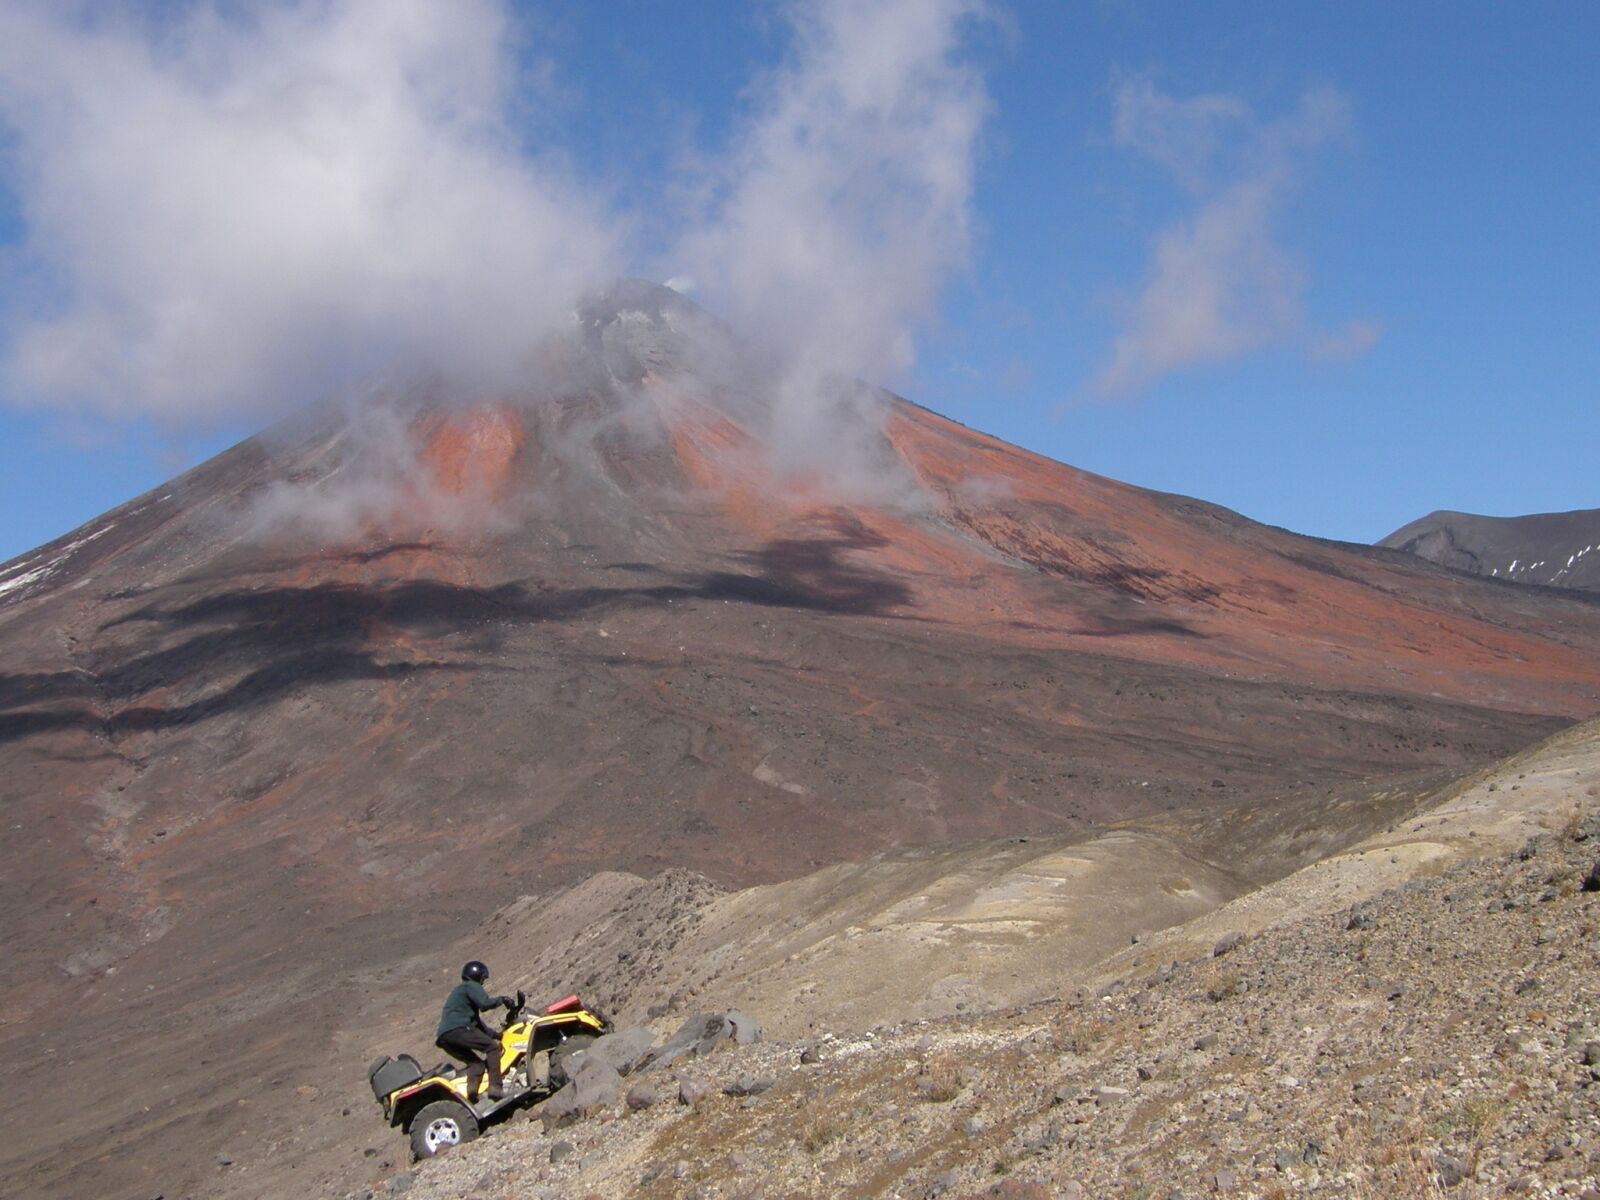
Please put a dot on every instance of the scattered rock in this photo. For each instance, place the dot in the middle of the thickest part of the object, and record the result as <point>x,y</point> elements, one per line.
<point>691,1090</point>
<point>810,1056</point>
<point>1227,943</point>
<point>642,1096</point>
<point>562,1151</point>
<point>749,1085</point>
<point>1207,1041</point>
<point>1452,1170</point>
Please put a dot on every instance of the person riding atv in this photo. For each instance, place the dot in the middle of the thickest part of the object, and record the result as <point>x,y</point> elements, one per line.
<point>463,1035</point>
<point>443,1106</point>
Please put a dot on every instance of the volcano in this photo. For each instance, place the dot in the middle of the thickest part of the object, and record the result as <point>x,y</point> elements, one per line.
<point>323,701</point>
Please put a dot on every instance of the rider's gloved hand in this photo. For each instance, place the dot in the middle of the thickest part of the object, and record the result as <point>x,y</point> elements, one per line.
<point>508,1001</point>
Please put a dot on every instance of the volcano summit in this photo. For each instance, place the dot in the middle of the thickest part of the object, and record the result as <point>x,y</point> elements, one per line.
<point>320,703</point>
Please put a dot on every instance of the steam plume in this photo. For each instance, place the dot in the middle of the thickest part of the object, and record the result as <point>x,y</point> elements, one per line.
<point>846,202</point>
<point>233,214</point>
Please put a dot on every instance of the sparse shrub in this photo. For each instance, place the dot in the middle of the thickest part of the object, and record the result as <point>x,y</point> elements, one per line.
<point>1223,987</point>
<point>939,1086</point>
<point>819,1135</point>
<point>1473,1119</point>
<point>1083,1039</point>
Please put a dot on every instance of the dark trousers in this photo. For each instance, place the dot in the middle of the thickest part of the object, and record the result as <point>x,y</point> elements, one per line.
<point>475,1048</point>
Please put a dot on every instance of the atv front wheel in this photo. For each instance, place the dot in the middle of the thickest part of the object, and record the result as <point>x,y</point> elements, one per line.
<point>440,1126</point>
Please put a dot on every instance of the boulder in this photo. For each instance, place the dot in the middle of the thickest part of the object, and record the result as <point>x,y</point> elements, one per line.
<point>1227,943</point>
<point>700,1035</point>
<point>594,1086</point>
<point>749,1085</point>
<point>621,1051</point>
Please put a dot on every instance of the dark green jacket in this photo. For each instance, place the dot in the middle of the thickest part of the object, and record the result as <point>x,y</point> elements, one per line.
<point>463,1006</point>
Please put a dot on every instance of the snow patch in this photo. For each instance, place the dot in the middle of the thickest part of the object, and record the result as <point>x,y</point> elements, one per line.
<point>20,576</point>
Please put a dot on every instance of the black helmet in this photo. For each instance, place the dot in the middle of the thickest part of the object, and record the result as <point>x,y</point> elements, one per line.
<point>475,972</point>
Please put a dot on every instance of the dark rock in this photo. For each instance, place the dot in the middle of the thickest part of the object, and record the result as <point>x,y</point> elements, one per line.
<point>810,1056</point>
<point>1225,1180</point>
<point>561,1151</point>
<point>1226,943</point>
<point>1591,1054</point>
<point>593,1085</point>
<point>691,1090</point>
<point>1046,1139</point>
<point>701,1035</point>
<point>642,1096</point>
<point>1361,918</point>
<point>1207,1041</point>
<point>1452,1170</point>
<point>973,1126</point>
<point>1145,1072</point>
<point>1591,881</point>
<point>749,1085</point>
<point>622,1051</point>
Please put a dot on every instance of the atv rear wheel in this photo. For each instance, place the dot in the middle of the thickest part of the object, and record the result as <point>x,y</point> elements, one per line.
<point>440,1126</point>
<point>562,1052</point>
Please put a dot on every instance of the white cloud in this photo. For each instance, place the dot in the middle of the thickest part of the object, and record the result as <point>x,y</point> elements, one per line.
<point>1347,344</point>
<point>235,210</point>
<point>1219,285</point>
<point>234,214</point>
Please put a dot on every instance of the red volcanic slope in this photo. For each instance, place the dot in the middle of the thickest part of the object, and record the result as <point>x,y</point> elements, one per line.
<point>243,771</point>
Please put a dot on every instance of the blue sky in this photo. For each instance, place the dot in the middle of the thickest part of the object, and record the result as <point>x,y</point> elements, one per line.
<point>1391,208</point>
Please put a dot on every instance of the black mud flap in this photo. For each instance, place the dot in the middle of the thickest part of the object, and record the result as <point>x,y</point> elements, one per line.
<point>388,1074</point>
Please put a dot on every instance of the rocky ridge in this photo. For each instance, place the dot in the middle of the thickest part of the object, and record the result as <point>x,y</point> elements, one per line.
<point>1554,549</point>
<point>1440,1039</point>
<point>1419,1025</point>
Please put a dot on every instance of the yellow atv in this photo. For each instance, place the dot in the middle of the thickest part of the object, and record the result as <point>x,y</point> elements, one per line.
<point>441,1107</point>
